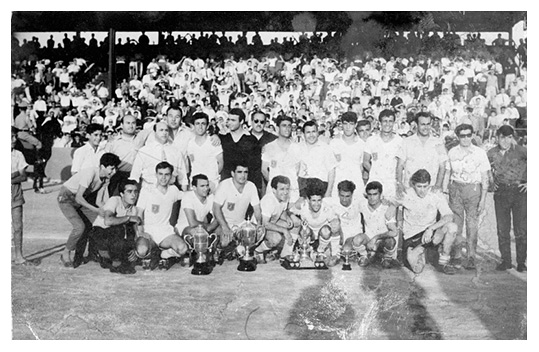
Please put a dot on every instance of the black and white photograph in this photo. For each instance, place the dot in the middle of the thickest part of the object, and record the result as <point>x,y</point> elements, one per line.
<point>268,175</point>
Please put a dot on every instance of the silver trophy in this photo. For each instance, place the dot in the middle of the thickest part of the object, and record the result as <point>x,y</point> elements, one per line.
<point>249,236</point>
<point>304,256</point>
<point>199,241</point>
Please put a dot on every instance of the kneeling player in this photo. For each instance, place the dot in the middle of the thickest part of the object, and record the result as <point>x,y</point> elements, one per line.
<point>380,229</point>
<point>281,226</point>
<point>420,227</point>
<point>323,222</point>
<point>114,234</point>
<point>196,205</point>
<point>158,239</point>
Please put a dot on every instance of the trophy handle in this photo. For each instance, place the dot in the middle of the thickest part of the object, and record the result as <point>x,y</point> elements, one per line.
<point>214,236</point>
<point>260,232</point>
<point>189,244</point>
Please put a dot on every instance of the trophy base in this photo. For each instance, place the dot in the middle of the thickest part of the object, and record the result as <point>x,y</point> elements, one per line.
<point>304,264</point>
<point>346,267</point>
<point>247,265</point>
<point>201,269</point>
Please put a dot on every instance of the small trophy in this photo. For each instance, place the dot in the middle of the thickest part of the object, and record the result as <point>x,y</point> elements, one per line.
<point>346,254</point>
<point>249,236</point>
<point>200,244</point>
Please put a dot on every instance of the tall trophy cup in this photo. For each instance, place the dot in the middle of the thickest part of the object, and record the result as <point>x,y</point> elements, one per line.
<point>249,236</point>
<point>199,241</point>
<point>303,256</point>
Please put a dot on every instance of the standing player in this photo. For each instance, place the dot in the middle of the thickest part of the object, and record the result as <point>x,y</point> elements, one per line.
<point>381,153</point>
<point>277,158</point>
<point>348,151</point>
<point>205,158</point>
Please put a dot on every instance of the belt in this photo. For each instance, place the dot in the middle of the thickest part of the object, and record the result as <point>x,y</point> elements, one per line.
<point>24,130</point>
<point>464,183</point>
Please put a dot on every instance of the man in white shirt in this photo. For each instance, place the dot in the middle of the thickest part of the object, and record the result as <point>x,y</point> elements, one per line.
<point>348,151</point>
<point>204,157</point>
<point>381,153</point>
<point>420,228</point>
<point>277,158</point>
<point>232,199</point>
<point>316,160</point>
<point>322,222</point>
<point>152,154</point>
<point>421,151</point>
<point>468,184</point>
<point>88,155</point>
<point>379,227</point>
<point>157,237</point>
<point>281,226</point>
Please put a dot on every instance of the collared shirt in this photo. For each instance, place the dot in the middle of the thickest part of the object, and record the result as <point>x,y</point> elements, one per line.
<point>152,154</point>
<point>117,207</point>
<point>316,160</point>
<point>420,213</point>
<point>467,164</point>
<point>88,178</point>
<point>126,148</point>
<point>509,167</point>
<point>86,157</point>
<point>418,155</point>
<point>272,208</point>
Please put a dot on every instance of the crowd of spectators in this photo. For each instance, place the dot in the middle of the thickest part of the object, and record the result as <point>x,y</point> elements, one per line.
<point>486,92</point>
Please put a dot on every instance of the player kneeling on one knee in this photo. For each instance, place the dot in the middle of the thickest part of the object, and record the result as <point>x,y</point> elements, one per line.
<point>323,221</point>
<point>420,228</point>
<point>158,238</point>
<point>281,226</point>
<point>379,230</point>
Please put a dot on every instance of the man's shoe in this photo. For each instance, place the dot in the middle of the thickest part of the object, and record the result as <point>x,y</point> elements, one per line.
<point>503,266</point>
<point>447,269</point>
<point>416,258</point>
<point>470,265</point>
<point>164,264</point>
<point>260,258</point>
<point>390,263</point>
<point>522,268</point>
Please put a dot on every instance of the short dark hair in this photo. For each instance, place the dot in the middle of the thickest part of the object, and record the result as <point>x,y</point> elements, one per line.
<point>422,114</point>
<point>349,116</point>
<point>91,128</point>
<point>463,127</point>
<point>386,112</point>
<point>260,113</point>
<point>164,165</point>
<point>125,183</point>
<point>364,123</point>
<point>420,176</point>
<point>315,187</point>
<point>174,106</point>
<point>200,116</point>
<point>195,179</point>
<point>374,185</point>
<point>109,159</point>
<point>282,118</point>
<point>346,186</point>
<point>308,124</point>
<point>279,179</point>
<point>14,130</point>
<point>239,112</point>
<point>241,163</point>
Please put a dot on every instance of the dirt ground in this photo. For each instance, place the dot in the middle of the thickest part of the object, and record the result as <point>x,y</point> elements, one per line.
<point>55,303</point>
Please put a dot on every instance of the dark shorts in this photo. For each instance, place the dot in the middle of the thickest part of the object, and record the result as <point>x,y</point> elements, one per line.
<point>414,242</point>
<point>118,240</point>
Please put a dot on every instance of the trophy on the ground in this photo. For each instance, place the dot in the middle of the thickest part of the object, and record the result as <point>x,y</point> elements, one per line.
<point>249,236</point>
<point>199,241</point>
<point>346,254</point>
<point>304,256</point>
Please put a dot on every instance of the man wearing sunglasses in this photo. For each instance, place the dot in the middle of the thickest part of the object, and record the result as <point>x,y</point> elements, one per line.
<point>468,183</point>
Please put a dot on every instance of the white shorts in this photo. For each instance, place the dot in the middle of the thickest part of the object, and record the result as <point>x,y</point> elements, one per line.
<point>159,233</point>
